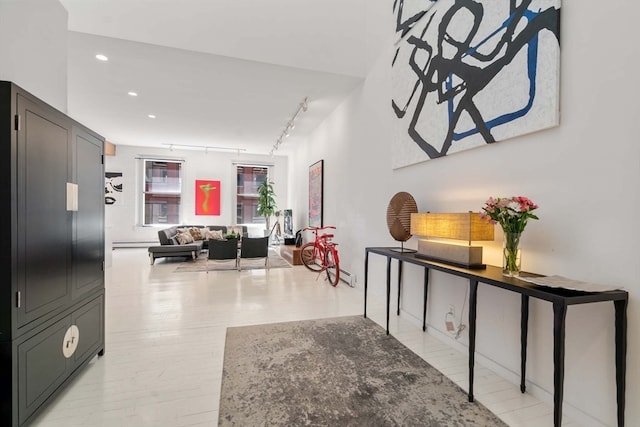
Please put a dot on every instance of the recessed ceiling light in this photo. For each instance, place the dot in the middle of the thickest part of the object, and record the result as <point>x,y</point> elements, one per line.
<point>151,116</point>
<point>132,93</point>
<point>101,57</point>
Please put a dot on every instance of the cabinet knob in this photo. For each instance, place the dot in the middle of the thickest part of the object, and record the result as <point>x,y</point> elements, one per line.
<point>70,341</point>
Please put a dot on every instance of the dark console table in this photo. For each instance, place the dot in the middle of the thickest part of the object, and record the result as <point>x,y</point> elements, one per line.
<point>560,298</point>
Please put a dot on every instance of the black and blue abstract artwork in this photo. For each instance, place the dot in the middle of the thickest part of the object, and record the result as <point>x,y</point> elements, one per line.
<point>468,73</point>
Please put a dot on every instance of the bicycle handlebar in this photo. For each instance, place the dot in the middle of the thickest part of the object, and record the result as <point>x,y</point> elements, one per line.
<point>315,229</point>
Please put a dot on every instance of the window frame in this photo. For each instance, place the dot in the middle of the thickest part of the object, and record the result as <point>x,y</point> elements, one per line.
<point>269,174</point>
<point>171,193</point>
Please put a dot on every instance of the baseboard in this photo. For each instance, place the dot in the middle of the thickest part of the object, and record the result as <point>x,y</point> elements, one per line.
<point>574,413</point>
<point>125,244</point>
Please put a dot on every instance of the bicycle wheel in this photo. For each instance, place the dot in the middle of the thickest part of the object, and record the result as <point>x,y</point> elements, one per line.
<point>332,265</point>
<point>310,256</point>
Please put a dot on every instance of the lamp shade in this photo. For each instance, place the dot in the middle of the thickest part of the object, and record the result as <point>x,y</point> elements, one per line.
<point>467,226</point>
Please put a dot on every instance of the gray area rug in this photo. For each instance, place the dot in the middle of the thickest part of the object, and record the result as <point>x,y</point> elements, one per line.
<point>200,264</point>
<point>336,372</point>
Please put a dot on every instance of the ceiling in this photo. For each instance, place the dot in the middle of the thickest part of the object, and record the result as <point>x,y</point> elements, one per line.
<point>216,73</point>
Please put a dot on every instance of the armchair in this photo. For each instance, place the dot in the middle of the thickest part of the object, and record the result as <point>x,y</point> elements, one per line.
<point>254,247</point>
<point>222,250</point>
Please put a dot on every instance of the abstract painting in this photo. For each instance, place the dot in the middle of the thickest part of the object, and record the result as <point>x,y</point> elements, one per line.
<point>469,73</point>
<point>207,197</point>
<point>408,12</point>
<point>315,193</point>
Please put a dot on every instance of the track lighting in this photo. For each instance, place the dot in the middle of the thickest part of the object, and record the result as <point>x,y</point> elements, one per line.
<point>303,106</point>
<point>206,148</point>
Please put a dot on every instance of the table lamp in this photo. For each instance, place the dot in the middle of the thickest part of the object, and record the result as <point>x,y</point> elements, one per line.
<point>451,226</point>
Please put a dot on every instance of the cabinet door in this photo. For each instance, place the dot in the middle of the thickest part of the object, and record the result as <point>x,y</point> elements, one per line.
<point>89,319</point>
<point>88,224</point>
<point>43,223</point>
<point>42,367</point>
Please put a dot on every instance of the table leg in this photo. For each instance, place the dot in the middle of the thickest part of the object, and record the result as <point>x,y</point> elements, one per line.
<point>399,285</point>
<point>621,356</point>
<point>366,280</point>
<point>424,306</point>
<point>388,290</point>
<point>473,302</point>
<point>559,316</point>
<point>524,330</point>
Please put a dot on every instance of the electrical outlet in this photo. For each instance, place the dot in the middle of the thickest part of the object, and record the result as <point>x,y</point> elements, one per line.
<point>449,319</point>
<point>449,325</point>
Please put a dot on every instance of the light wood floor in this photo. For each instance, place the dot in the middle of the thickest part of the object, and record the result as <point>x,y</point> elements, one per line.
<point>165,336</point>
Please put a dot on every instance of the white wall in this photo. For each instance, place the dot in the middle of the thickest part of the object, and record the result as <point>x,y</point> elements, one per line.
<point>33,52</point>
<point>583,174</point>
<point>122,219</point>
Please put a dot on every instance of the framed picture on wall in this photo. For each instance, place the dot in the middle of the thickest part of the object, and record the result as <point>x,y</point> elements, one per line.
<point>112,187</point>
<point>315,193</point>
<point>207,197</point>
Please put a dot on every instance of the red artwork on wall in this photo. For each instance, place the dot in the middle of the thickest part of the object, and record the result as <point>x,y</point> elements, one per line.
<point>207,197</point>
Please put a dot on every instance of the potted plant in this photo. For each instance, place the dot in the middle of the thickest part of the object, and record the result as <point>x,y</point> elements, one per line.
<point>266,202</point>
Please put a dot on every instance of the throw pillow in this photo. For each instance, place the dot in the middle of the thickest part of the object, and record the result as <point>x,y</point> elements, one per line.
<point>216,234</point>
<point>204,232</point>
<point>196,233</point>
<point>184,238</point>
<point>234,230</point>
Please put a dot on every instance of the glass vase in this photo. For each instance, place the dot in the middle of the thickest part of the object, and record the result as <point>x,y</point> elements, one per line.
<point>511,254</point>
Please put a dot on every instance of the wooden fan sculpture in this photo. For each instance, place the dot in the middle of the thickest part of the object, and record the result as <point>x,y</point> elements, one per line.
<point>399,211</point>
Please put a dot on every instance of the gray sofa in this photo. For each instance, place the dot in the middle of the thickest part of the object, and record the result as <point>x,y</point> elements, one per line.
<point>170,247</point>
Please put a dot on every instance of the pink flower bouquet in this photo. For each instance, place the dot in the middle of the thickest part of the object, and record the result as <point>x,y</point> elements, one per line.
<point>512,213</point>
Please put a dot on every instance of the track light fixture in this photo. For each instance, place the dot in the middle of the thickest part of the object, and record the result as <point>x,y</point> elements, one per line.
<point>206,148</point>
<point>302,107</point>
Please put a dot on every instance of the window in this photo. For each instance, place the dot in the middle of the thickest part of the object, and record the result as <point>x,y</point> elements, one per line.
<point>249,178</point>
<point>162,191</point>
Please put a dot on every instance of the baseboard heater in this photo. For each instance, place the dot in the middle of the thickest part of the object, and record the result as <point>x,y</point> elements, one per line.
<point>347,278</point>
<point>125,244</point>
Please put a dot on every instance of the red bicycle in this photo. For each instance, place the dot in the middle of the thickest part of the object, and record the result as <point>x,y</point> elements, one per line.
<point>322,254</point>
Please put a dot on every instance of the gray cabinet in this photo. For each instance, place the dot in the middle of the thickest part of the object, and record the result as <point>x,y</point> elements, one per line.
<point>51,253</point>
